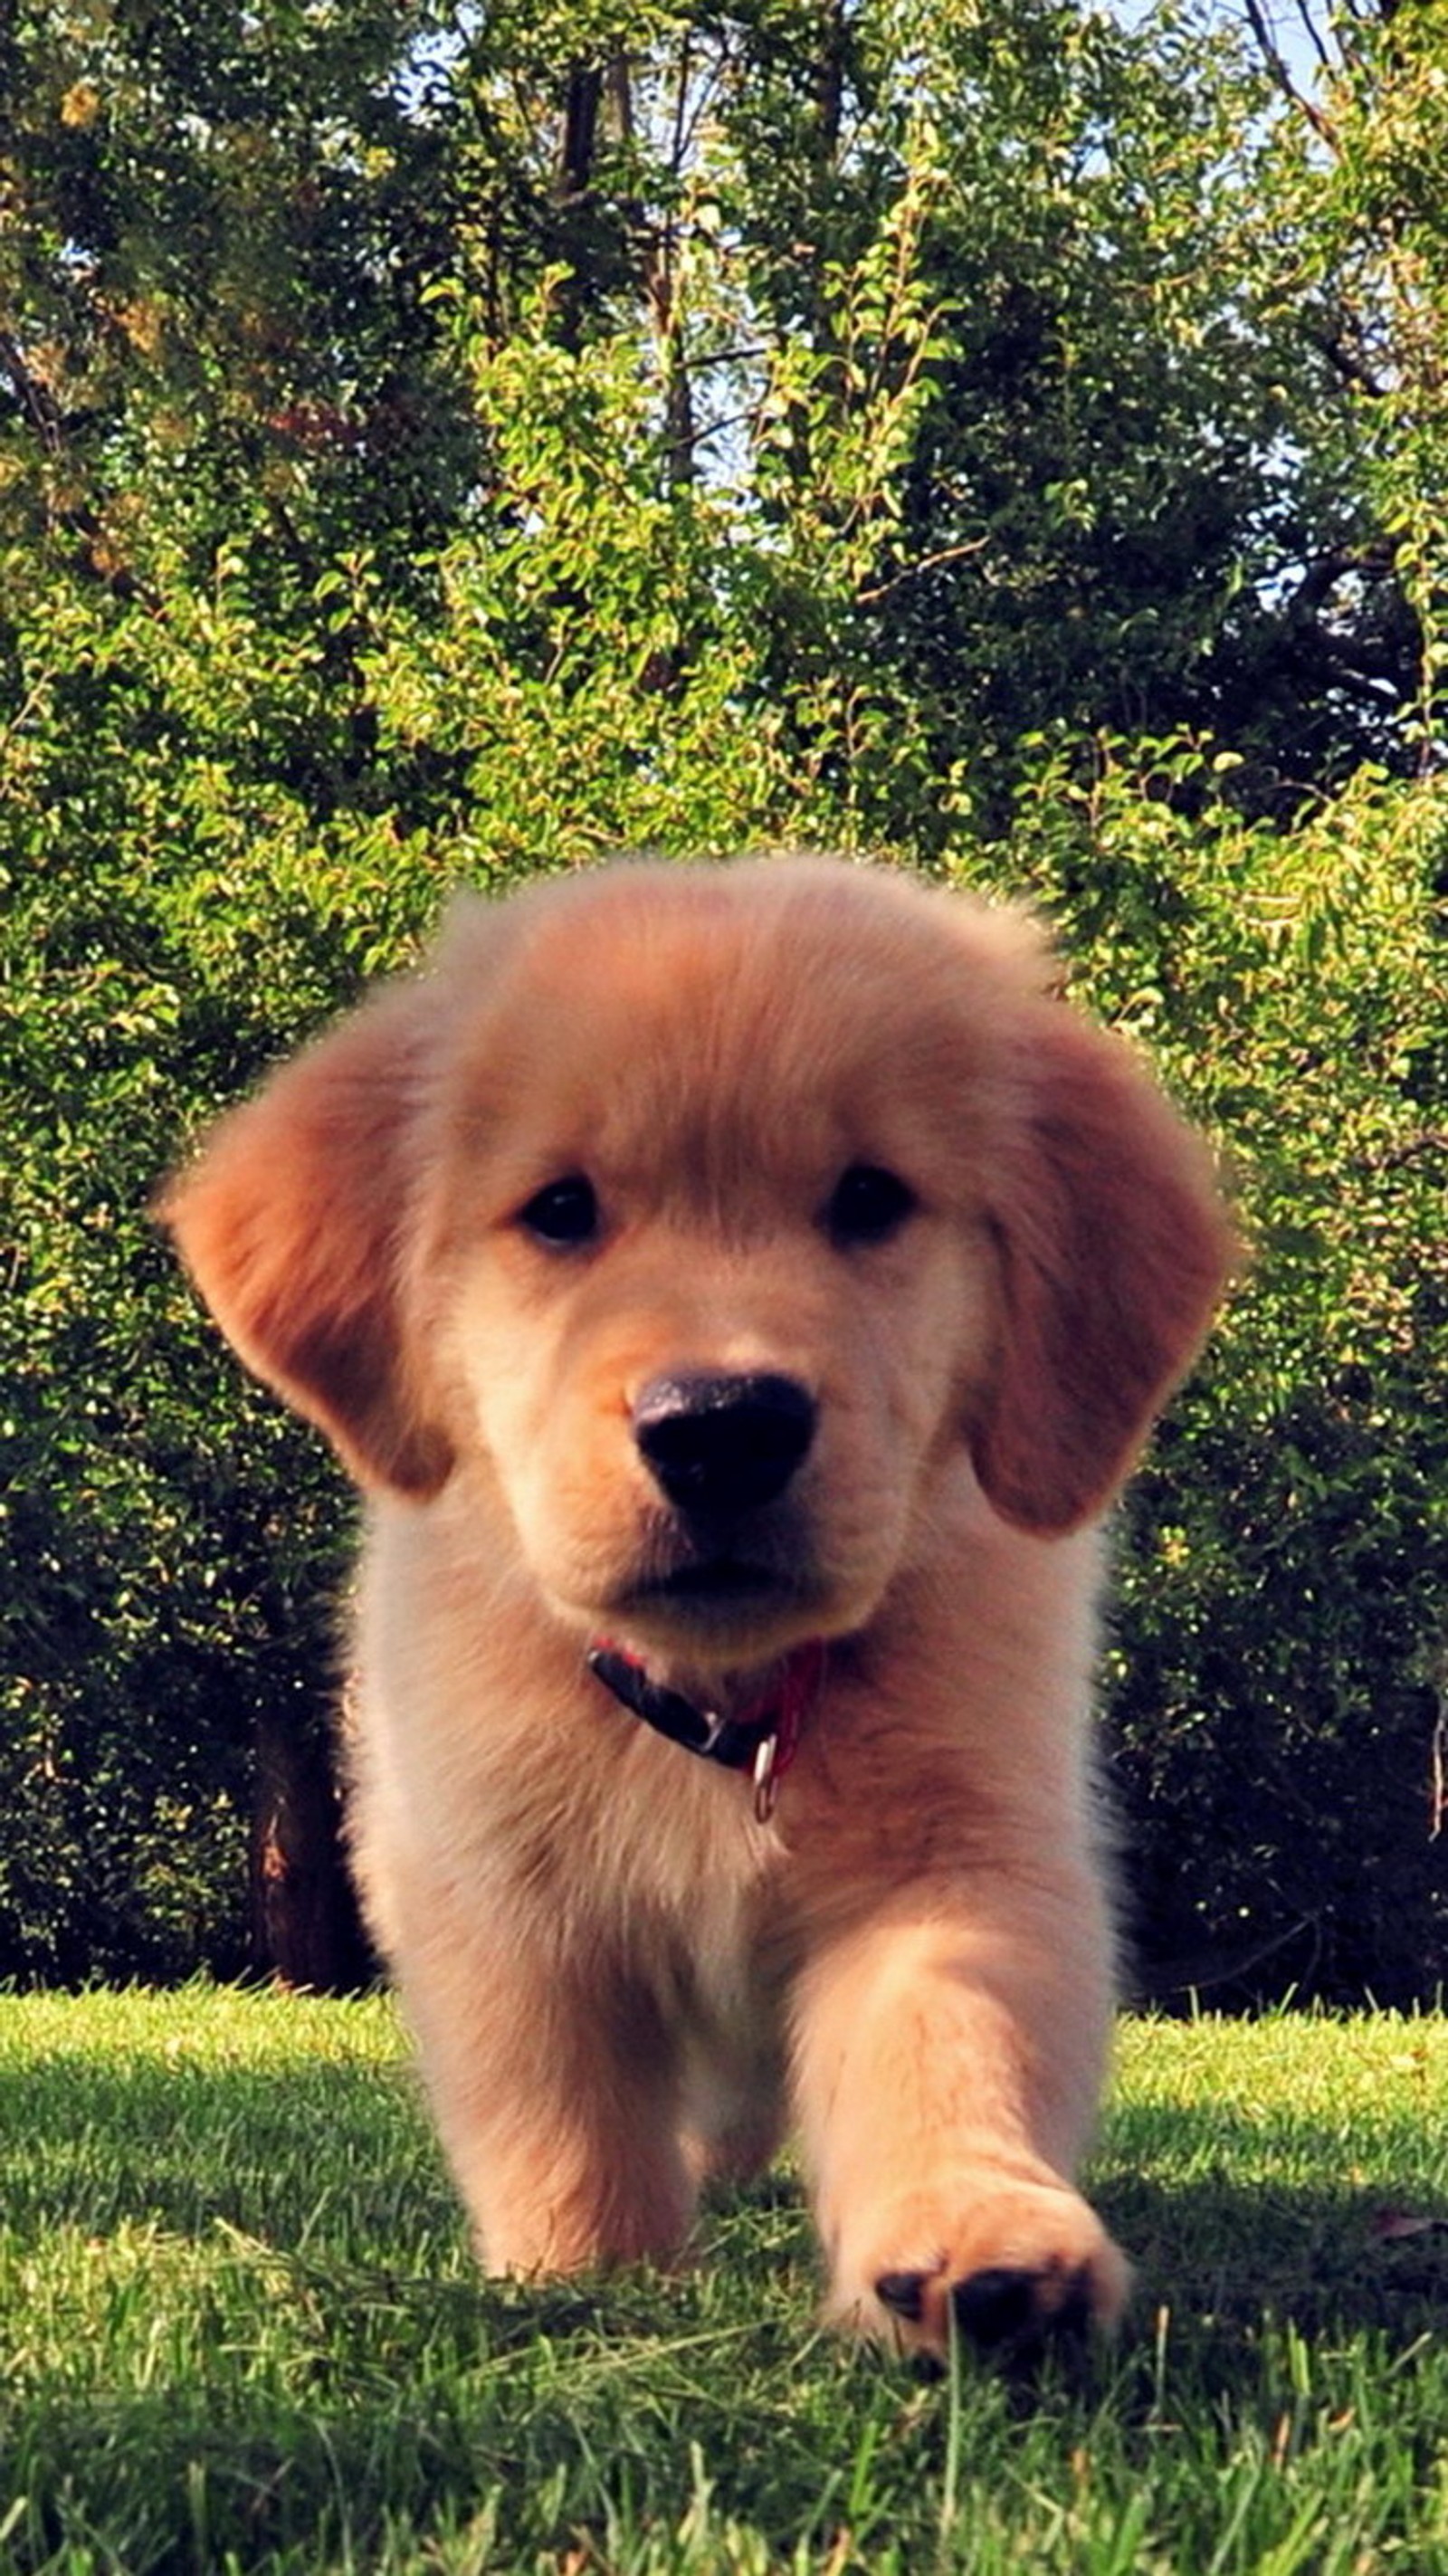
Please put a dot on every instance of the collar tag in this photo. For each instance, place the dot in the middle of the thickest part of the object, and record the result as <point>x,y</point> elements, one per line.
<point>766,1781</point>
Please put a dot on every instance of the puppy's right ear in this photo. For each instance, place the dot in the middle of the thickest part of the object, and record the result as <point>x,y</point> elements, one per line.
<point>294,1222</point>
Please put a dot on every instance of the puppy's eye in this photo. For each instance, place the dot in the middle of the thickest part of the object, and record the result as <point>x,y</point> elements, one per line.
<point>563,1214</point>
<point>868,1205</point>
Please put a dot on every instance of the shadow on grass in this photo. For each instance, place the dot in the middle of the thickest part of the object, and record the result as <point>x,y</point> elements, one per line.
<point>1224,2255</point>
<point>328,2163</point>
<point>300,2153</point>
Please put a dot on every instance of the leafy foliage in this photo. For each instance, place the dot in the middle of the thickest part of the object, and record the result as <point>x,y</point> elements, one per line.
<point>437,442</point>
<point>1278,1668</point>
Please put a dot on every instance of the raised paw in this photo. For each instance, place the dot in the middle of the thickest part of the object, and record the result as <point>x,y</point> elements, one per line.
<point>1027,2266</point>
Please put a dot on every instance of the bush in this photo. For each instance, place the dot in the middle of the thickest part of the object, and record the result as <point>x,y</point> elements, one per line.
<point>1277,1667</point>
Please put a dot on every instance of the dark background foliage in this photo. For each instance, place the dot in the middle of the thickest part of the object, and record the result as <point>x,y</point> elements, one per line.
<point>442,444</point>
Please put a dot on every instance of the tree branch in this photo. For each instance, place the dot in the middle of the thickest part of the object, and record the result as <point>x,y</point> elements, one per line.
<point>911,572</point>
<point>33,396</point>
<point>1277,66</point>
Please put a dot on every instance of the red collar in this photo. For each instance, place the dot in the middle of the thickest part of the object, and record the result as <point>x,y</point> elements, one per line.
<point>762,1737</point>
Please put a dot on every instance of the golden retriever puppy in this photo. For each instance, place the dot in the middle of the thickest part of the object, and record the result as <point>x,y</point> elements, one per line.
<point>738,1290</point>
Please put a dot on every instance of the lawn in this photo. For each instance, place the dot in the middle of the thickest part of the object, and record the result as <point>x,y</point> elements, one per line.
<point>239,2330</point>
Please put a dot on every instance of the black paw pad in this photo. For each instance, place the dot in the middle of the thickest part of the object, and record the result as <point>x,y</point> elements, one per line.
<point>903,2293</point>
<point>995,2307</point>
<point>1002,2307</point>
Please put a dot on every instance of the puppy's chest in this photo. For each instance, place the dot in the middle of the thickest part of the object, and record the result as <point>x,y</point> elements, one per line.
<point>669,1832</point>
<point>668,1871</point>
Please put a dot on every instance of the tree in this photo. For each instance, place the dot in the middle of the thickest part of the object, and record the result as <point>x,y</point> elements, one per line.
<point>1374,269</point>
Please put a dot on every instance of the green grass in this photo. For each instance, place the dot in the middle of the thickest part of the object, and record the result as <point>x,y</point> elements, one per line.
<point>239,2330</point>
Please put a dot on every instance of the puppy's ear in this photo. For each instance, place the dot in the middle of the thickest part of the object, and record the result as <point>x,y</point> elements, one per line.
<point>294,1221</point>
<point>1114,1247</point>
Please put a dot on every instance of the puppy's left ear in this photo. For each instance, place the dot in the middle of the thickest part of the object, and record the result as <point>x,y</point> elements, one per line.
<point>1114,1247</point>
<point>294,1222</point>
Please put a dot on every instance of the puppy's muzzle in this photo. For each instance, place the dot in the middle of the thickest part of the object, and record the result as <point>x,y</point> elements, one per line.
<point>718,1447</point>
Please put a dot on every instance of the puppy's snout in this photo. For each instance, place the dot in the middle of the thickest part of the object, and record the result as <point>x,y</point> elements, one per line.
<point>723,1445</point>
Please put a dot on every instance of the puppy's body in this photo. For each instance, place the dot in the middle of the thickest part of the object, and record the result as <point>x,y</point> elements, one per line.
<point>615,1940</point>
<point>738,1267</point>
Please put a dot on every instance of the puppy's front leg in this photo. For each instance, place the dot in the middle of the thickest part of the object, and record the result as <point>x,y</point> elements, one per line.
<point>948,2057</point>
<point>556,2097</point>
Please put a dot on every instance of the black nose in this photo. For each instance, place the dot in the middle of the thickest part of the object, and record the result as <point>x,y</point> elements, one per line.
<point>723,1444</point>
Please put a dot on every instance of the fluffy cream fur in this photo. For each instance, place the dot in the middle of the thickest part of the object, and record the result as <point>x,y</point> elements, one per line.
<point>620,1979</point>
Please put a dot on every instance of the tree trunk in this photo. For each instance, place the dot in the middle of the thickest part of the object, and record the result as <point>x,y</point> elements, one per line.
<point>306,1928</point>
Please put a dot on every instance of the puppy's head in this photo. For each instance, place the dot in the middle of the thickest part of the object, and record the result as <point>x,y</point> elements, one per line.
<point>696,1218</point>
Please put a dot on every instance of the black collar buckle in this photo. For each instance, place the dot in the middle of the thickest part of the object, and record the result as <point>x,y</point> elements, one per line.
<point>699,1730</point>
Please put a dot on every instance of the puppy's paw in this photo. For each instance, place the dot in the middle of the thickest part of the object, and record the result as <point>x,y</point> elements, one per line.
<point>1019,2265</point>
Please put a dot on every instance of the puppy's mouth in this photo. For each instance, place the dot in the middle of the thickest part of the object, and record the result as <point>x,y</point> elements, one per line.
<point>716,1581</point>
<point>728,1587</point>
